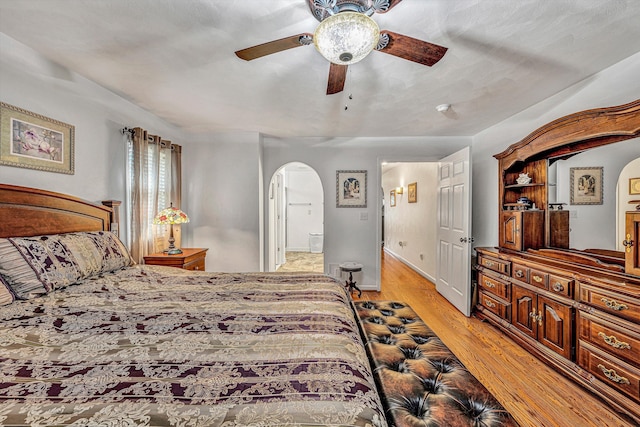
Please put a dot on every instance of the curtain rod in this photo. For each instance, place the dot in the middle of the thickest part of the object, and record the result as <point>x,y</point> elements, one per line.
<point>127,130</point>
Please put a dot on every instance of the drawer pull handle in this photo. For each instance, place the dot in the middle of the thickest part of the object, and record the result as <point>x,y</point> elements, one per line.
<point>614,305</point>
<point>614,342</point>
<point>613,375</point>
<point>519,273</point>
<point>488,303</point>
<point>537,279</point>
<point>558,287</point>
<point>628,243</point>
<point>536,317</point>
<point>489,284</point>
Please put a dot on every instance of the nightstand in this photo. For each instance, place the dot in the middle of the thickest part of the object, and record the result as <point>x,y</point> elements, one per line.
<point>189,259</point>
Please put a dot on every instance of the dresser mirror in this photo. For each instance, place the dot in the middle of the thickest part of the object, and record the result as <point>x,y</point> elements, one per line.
<point>543,215</point>
<point>596,226</point>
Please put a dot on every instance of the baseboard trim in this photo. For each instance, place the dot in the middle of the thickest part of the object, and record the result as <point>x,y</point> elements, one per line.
<point>410,265</point>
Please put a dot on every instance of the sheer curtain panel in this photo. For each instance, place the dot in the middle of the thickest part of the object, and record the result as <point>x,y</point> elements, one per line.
<point>153,183</point>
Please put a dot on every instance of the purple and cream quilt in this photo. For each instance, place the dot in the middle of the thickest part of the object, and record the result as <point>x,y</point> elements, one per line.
<point>158,346</point>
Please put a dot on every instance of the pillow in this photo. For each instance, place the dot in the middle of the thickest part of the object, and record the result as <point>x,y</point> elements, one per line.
<point>17,274</point>
<point>59,260</point>
<point>6,296</point>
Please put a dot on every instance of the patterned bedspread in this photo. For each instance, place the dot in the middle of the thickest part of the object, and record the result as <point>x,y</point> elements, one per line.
<point>158,346</point>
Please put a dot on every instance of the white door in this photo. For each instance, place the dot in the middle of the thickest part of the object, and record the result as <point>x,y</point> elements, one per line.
<point>453,272</point>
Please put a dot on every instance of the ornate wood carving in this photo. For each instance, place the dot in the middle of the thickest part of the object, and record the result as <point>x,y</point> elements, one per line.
<point>576,132</point>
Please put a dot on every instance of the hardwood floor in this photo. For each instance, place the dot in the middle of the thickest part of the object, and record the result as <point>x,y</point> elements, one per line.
<point>533,393</point>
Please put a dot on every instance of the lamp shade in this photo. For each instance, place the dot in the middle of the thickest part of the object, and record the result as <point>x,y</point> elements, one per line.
<point>346,38</point>
<point>170,216</point>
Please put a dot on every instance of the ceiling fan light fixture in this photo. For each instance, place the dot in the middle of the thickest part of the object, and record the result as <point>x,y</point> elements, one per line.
<point>346,38</point>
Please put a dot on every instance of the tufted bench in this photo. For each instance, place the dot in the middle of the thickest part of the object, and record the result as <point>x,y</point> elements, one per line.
<point>421,382</point>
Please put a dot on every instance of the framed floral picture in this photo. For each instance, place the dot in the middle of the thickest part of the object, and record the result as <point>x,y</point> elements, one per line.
<point>586,185</point>
<point>413,192</point>
<point>30,140</point>
<point>351,189</point>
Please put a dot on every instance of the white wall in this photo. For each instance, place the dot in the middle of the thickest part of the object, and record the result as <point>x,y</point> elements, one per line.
<point>221,179</point>
<point>413,224</point>
<point>29,81</point>
<point>616,85</point>
<point>348,236</point>
<point>594,226</point>
<point>305,206</point>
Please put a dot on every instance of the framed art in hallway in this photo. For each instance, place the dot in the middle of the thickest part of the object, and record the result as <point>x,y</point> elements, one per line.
<point>392,198</point>
<point>30,140</point>
<point>351,189</point>
<point>634,186</point>
<point>586,185</point>
<point>413,192</point>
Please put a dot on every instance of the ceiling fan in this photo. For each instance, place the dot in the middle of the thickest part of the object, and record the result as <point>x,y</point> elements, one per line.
<point>346,34</point>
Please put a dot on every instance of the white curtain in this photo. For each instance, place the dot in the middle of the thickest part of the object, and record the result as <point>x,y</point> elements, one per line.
<point>153,183</point>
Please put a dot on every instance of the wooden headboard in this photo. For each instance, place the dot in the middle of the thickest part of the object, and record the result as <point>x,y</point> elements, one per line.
<point>28,211</point>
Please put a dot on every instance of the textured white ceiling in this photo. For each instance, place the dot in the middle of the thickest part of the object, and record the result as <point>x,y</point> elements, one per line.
<point>175,58</point>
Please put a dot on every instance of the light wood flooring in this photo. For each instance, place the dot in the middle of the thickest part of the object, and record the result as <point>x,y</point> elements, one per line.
<point>533,393</point>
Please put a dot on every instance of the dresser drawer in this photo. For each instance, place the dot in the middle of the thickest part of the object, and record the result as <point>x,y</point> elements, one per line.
<point>494,286</point>
<point>520,272</point>
<point>611,302</point>
<point>495,306</point>
<point>610,370</point>
<point>611,338</point>
<point>539,278</point>
<point>495,264</point>
<point>561,285</point>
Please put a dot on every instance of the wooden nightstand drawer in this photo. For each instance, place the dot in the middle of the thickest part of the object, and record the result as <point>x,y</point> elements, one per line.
<point>189,259</point>
<point>195,265</point>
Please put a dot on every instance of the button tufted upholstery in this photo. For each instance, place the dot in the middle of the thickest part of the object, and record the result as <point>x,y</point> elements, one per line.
<point>421,382</point>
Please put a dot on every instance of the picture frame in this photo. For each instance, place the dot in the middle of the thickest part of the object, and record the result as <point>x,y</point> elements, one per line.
<point>586,185</point>
<point>351,189</point>
<point>412,189</point>
<point>33,141</point>
<point>392,198</point>
<point>634,186</point>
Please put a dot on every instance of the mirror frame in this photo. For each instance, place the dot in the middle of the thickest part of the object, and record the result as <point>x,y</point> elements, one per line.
<point>568,136</point>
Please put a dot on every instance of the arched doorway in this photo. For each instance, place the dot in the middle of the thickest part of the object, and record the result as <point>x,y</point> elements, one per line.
<point>296,219</point>
<point>624,197</point>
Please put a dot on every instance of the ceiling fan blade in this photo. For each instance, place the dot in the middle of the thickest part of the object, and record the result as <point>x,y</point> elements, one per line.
<point>411,49</point>
<point>337,76</point>
<point>275,46</point>
<point>392,4</point>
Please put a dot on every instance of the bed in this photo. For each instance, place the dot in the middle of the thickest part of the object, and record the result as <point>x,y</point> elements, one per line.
<point>86,338</point>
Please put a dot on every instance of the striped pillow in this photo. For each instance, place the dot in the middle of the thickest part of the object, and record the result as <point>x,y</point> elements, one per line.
<point>33,266</point>
<point>6,296</point>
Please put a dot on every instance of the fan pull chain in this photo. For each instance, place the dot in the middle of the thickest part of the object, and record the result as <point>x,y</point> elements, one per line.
<point>346,106</point>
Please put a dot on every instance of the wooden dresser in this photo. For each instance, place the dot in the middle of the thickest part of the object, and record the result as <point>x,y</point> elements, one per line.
<point>577,310</point>
<point>189,259</point>
<point>580,319</point>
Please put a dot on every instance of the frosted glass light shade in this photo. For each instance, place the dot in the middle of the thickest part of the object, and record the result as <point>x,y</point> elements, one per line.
<point>346,38</point>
